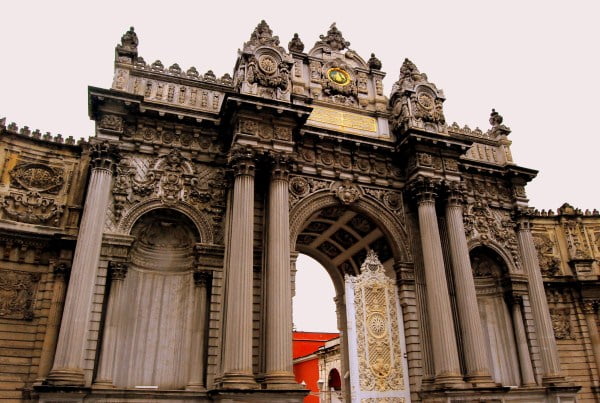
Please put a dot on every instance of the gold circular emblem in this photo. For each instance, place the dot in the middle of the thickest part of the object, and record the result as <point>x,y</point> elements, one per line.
<point>426,101</point>
<point>338,76</point>
<point>376,324</point>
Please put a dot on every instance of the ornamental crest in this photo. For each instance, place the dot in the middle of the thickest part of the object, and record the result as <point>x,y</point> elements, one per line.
<point>374,333</point>
<point>37,177</point>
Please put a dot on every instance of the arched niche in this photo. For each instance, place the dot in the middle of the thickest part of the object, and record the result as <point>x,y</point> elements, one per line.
<point>490,273</point>
<point>153,313</point>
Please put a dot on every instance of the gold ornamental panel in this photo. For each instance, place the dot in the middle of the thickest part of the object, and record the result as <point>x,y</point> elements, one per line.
<point>346,122</point>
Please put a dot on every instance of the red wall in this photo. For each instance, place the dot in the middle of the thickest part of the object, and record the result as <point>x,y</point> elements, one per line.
<point>305,344</point>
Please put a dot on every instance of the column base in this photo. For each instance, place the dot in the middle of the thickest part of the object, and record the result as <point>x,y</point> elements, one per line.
<point>481,380</point>
<point>103,384</point>
<point>450,380</point>
<point>238,381</point>
<point>281,380</point>
<point>196,387</point>
<point>66,377</point>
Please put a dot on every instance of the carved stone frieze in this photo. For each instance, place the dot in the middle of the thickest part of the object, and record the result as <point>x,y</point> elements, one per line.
<point>32,208</point>
<point>37,177</point>
<point>491,225</point>
<point>172,178</point>
<point>17,289</point>
<point>549,261</point>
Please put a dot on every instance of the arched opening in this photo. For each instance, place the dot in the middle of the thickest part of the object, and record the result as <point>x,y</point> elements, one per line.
<point>338,238</point>
<point>333,380</point>
<point>490,273</point>
<point>153,309</point>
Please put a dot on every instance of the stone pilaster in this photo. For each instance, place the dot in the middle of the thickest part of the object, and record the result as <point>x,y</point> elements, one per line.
<point>197,343</point>
<point>279,371</point>
<point>445,351</point>
<point>477,365</point>
<point>590,311</point>
<point>527,375</point>
<point>237,348</point>
<point>72,340</point>
<point>61,273</point>
<point>539,305</point>
<point>104,379</point>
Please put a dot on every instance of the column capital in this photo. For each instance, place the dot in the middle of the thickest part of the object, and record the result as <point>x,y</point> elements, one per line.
<point>424,189</point>
<point>455,193</point>
<point>202,277</point>
<point>117,270</point>
<point>280,167</point>
<point>104,156</point>
<point>242,160</point>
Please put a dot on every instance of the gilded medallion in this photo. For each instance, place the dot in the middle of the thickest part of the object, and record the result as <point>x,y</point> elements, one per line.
<point>338,76</point>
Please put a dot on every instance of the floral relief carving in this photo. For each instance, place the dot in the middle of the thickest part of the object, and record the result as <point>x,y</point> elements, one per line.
<point>17,289</point>
<point>37,177</point>
<point>347,192</point>
<point>561,323</point>
<point>301,187</point>
<point>549,262</point>
<point>111,122</point>
<point>393,201</point>
<point>172,178</point>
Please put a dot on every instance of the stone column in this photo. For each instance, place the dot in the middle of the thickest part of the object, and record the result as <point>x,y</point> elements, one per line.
<point>477,365</point>
<point>527,375</point>
<point>197,346</point>
<point>589,309</point>
<point>445,352</point>
<point>104,379</point>
<point>279,371</point>
<point>69,359</point>
<point>237,348</point>
<point>61,272</point>
<point>539,305</point>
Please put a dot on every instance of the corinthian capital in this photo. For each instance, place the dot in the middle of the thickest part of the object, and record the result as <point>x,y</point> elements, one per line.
<point>242,160</point>
<point>280,167</point>
<point>104,155</point>
<point>424,189</point>
<point>455,193</point>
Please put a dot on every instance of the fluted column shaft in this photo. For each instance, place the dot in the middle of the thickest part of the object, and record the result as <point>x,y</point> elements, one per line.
<point>527,375</point>
<point>104,378</point>
<point>70,351</point>
<point>279,293</point>
<point>196,376</point>
<point>445,351</point>
<point>472,332</point>
<point>54,315</point>
<point>589,310</point>
<point>237,349</point>
<point>539,304</point>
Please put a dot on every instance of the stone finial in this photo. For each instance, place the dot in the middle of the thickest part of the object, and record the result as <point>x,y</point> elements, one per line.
<point>175,69</point>
<point>374,63</point>
<point>192,72</point>
<point>127,49</point>
<point>210,76</point>
<point>263,35</point>
<point>157,66</point>
<point>296,45</point>
<point>334,39</point>
<point>495,118</point>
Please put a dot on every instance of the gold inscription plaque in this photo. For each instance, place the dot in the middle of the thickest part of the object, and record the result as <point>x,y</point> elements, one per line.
<point>344,121</point>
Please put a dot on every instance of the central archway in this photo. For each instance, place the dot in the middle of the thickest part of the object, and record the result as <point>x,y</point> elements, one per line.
<point>339,236</point>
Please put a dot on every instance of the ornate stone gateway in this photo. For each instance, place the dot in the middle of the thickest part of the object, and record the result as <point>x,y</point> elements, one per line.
<point>378,370</point>
<point>155,262</point>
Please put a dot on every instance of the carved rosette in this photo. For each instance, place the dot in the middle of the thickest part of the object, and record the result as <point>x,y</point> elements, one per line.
<point>378,341</point>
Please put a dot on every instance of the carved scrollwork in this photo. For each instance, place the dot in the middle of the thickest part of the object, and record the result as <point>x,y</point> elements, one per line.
<point>347,192</point>
<point>37,177</point>
<point>549,262</point>
<point>561,323</point>
<point>17,289</point>
<point>301,187</point>
<point>393,201</point>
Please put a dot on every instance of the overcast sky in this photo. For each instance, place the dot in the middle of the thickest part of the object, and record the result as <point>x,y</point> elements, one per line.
<point>535,62</point>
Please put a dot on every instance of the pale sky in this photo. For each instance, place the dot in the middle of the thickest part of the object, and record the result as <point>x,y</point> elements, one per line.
<point>536,62</point>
